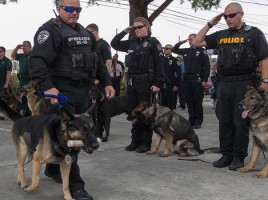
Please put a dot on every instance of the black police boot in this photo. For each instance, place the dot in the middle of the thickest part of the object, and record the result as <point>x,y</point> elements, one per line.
<point>55,176</point>
<point>237,163</point>
<point>224,161</point>
<point>2,118</point>
<point>142,149</point>
<point>81,194</point>
<point>131,147</point>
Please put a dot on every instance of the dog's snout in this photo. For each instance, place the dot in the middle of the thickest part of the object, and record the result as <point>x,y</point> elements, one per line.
<point>95,146</point>
<point>241,105</point>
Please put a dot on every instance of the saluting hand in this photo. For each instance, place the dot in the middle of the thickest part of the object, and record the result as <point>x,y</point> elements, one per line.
<point>216,19</point>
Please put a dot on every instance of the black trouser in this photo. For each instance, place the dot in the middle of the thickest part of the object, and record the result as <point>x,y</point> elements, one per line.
<point>116,85</point>
<point>169,97</point>
<point>139,91</point>
<point>194,94</point>
<point>181,97</point>
<point>77,103</point>
<point>233,129</point>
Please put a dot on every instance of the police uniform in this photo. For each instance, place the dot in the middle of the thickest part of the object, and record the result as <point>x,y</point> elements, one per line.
<point>239,54</point>
<point>145,62</point>
<point>197,69</point>
<point>5,65</point>
<point>63,57</point>
<point>104,50</point>
<point>173,78</point>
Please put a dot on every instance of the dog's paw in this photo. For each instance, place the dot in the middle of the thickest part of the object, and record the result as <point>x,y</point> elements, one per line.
<point>261,174</point>
<point>105,139</point>
<point>164,155</point>
<point>244,169</point>
<point>150,152</point>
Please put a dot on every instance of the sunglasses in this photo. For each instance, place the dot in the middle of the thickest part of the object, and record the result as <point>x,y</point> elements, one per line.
<point>138,27</point>
<point>232,15</point>
<point>71,9</point>
<point>167,48</point>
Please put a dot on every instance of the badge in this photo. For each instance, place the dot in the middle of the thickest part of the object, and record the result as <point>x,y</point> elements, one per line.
<point>42,36</point>
<point>145,44</point>
<point>197,53</point>
<point>68,159</point>
<point>170,62</point>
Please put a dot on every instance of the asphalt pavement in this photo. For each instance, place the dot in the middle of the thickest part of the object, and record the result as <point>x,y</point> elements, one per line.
<point>111,173</point>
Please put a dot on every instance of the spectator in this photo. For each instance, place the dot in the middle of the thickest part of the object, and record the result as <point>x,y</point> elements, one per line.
<point>117,73</point>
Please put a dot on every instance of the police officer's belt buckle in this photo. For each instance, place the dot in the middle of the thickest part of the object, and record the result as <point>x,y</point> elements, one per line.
<point>130,82</point>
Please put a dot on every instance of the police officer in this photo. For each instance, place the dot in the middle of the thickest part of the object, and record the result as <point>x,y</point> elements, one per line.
<point>5,69</point>
<point>63,60</point>
<point>145,73</point>
<point>24,74</point>
<point>241,48</point>
<point>195,78</point>
<point>173,78</point>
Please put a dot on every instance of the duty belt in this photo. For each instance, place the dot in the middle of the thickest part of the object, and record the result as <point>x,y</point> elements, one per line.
<point>69,81</point>
<point>187,77</point>
<point>244,77</point>
<point>138,76</point>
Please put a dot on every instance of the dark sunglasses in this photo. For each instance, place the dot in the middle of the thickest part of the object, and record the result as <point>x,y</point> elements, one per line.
<point>138,27</point>
<point>71,9</point>
<point>232,15</point>
<point>167,48</point>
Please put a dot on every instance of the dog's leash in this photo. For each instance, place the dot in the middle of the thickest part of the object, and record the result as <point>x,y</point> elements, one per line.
<point>61,98</point>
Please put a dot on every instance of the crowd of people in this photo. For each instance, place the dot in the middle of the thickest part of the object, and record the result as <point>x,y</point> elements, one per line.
<point>65,58</point>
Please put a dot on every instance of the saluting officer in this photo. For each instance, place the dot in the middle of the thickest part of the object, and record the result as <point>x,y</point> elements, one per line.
<point>63,60</point>
<point>145,73</point>
<point>172,71</point>
<point>195,78</point>
<point>241,48</point>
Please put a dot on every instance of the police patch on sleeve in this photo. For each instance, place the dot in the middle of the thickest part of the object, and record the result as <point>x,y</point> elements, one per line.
<point>159,47</point>
<point>42,36</point>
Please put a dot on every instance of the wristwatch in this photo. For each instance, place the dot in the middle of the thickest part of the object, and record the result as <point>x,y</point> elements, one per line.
<point>265,80</point>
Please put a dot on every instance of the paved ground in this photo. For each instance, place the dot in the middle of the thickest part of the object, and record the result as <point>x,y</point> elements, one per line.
<point>111,173</point>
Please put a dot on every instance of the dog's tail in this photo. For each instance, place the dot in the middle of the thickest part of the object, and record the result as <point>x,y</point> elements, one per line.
<point>212,150</point>
<point>7,112</point>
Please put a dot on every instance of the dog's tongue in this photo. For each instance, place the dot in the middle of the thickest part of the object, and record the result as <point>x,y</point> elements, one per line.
<point>245,114</point>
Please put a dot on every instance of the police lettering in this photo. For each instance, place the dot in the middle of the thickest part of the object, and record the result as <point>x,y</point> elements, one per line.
<point>232,40</point>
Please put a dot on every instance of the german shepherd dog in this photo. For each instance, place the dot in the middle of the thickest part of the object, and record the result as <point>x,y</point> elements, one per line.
<point>12,101</point>
<point>43,139</point>
<point>35,103</point>
<point>108,108</point>
<point>255,105</point>
<point>171,126</point>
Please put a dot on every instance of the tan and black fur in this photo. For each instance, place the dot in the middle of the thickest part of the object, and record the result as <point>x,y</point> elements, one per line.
<point>35,103</point>
<point>171,126</point>
<point>12,100</point>
<point>43,139</point>
<point>255,105</point>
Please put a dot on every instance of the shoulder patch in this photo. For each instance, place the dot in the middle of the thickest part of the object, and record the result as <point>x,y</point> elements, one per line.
<point>42,36</point>
<point>159,47</point>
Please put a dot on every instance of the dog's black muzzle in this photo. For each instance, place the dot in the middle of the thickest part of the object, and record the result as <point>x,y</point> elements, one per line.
<point>90,149</point>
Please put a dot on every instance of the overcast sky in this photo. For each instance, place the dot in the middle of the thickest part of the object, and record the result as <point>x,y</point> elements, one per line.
<point>20,21</point>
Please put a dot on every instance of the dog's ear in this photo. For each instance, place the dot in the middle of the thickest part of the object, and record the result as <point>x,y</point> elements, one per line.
<point>66,115</point>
